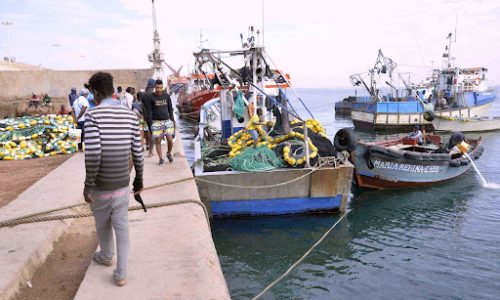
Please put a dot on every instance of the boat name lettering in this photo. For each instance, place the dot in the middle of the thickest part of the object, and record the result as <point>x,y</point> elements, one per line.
<point>405,167</point>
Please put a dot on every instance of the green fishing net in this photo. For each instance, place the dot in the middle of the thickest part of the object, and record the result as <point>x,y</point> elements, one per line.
<point>255,160</point>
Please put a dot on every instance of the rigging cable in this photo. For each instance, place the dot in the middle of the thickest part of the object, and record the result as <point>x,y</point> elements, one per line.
<point>289,84</point>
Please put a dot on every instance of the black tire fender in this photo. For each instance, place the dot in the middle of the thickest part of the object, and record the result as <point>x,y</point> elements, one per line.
<point>344,140</point>
<point>368,158</point>
<point>455,163</point>
<point>429,115</point>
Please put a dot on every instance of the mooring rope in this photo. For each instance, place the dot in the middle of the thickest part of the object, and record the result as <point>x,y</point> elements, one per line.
<point>30,217</point>
<point>262,186</point>
<point>272,284</point>
<point>24,220</point>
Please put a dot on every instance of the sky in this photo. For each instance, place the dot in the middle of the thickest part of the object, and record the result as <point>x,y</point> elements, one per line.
<point>318,42</point>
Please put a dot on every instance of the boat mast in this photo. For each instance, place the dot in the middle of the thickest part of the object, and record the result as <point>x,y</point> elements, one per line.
<point>156,57</point>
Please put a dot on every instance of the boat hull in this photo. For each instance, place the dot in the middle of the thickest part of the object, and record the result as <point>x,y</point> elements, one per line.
<point>191,103</point>
<point>380,168</point>
<point>480,125</point>
<point>282,191</point>
<point>402,116</point>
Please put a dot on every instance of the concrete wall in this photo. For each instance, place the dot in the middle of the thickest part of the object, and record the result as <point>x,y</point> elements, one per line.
<point>19,85</point>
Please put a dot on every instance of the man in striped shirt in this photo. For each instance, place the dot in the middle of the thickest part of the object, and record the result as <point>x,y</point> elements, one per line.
<point>111,136</point>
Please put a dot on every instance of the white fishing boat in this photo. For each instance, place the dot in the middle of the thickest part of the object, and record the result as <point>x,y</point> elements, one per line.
<point>451,92</point>
<point>474,124</point>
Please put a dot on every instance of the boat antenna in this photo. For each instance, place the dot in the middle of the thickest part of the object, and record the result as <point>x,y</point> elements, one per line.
<point>456,22</point>
<point>263,22</point>
<point>200,46</point>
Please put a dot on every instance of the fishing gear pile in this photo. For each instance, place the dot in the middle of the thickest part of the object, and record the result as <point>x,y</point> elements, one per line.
<point>34,137</point>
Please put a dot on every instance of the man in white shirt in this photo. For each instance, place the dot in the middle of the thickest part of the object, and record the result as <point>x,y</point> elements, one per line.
<point>78,111</point>
<point>128,99</point>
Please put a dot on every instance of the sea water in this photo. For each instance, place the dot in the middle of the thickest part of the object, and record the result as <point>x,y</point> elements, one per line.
<point>437,242</point>
<point>489,185</point>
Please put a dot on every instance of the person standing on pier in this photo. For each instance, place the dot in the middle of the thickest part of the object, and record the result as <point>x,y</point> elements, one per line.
<point>138,108</point>
<point>160,119</point>
<point>111,137</point>
<point>128,98</point>
<point>72,96</point>
<point>78,112</point>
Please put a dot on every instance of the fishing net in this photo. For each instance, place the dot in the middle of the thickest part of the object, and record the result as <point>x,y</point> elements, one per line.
<point>239,105</point>
<point>256,160</point>
<point>32,137</point>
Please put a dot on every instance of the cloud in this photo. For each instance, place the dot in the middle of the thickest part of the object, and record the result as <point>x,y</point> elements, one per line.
<point>320,43</point>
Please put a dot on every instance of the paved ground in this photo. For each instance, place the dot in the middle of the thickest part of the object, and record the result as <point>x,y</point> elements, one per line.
<point>18,175</point>
<point>172,254</point>
<point>24,248</point>
<point>63,271</point>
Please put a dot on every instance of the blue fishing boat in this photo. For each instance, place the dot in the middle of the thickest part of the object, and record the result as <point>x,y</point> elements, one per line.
<point>293,169</point>
<point>403,163</point>
<point>449,92</point>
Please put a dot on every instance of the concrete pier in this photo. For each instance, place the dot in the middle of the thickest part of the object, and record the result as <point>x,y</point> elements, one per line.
<point>24,248</point>
<point>172,254</point>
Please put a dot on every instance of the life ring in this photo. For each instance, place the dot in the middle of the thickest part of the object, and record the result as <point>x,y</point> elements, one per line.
<point>477,81</point>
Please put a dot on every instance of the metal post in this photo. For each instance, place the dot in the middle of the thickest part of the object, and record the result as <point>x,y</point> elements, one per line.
<point>306,140</point>
<point>7,24</point>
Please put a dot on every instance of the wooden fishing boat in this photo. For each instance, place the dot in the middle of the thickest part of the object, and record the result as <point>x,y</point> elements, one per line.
<point>229,188</point>
<point>474,124</point>
<point>402,163</point>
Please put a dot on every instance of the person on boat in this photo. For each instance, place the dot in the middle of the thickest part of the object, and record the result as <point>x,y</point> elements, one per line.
<point>442,103</point>
<point>253,124</point>
<point>416,134</point>
<point>160,119</point>
<point>422,96</point>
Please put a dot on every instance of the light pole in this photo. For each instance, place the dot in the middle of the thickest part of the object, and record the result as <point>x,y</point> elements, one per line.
<point>7,24</point>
